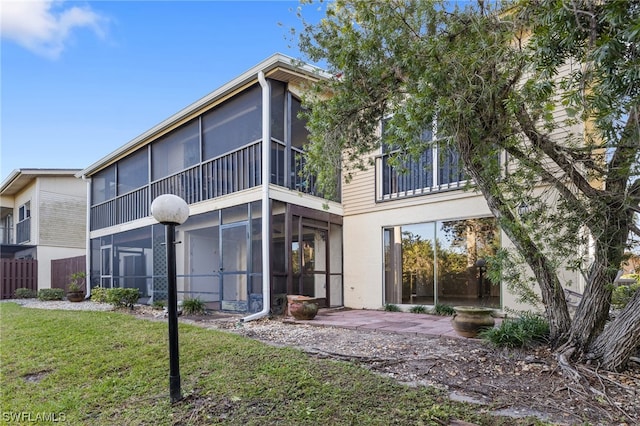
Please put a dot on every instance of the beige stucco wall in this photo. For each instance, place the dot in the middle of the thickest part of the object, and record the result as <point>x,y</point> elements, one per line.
<point>45,254</point>
<point>363,237</point>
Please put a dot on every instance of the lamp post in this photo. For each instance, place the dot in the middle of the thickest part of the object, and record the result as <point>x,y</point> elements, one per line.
<point>171,210</point>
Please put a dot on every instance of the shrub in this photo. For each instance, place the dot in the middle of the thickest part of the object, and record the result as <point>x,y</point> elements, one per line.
<point>520,332</point>
<point>193,307</point>
<point>390,307</point>
<point>622,294</point>
<point>24,293</point>
<point>50,294</point>
<point>99,294</point>
<point>159,304</point>
<point>443,310</point>
<point>122,297</point>
<point>418,309</point>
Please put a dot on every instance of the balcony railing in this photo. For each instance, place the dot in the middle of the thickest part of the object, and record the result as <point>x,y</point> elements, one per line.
<point>23,231</point>
<point>229,173</point>
<point>418,176</point>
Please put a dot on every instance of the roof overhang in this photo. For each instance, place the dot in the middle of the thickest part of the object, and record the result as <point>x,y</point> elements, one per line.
<point>278,67</point>
<point>21,178</point>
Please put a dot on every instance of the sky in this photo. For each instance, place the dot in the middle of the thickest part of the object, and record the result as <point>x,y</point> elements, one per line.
<point>79,79</point>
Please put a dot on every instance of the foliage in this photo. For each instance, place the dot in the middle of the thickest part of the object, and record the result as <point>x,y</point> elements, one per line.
<point>24,293</point>
<point>521,332</point>
<point>390,307</point>
<point>118,375</point>
<point>622,294</point>
<point>118,297</point>
<point>418,309</point>
<point>99,294</point>
<point>159,304</point>
<point>50,294</point>
<point>193,306</point>
<point>122,297</point>
<point>76,281</point>
<point>443,310</point>
<point>496,78</point>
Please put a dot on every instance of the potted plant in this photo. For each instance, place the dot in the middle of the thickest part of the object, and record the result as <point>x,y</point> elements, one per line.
<point>75,291</point>
<point>468,321</point>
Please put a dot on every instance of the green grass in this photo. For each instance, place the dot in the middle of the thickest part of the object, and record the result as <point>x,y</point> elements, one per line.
<point>105,368</point>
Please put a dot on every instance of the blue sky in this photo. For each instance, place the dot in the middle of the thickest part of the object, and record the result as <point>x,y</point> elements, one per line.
<point>79,79</point>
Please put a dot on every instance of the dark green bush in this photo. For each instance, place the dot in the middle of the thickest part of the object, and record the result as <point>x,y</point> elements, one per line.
<point>123,297</point>
<point>443,310</point>
<point>418,309</point>
<point>50,294</point>
<point>24,293</point>
<point>390,307</point>
<point>99,294</point>
<point>193,307</point>
<point>525,331</point>
<point>118,297</point>
<point>159,304</point>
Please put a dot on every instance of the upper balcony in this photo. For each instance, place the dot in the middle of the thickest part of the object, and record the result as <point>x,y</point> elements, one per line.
<point>436,170</point>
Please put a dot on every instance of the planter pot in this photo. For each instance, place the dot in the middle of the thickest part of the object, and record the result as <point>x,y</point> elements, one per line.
<point>302,307</point>
<point>468,321</point>
<point>75,296</point>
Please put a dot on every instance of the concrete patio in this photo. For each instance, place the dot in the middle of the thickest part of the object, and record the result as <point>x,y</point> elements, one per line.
<point>383,321</point>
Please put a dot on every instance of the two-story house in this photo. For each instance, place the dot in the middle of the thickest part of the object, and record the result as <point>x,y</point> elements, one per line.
<point>43,217</point>
<point>258,228</point>
<point>255,222</point>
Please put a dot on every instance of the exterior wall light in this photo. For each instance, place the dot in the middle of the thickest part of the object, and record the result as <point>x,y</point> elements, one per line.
<point>171,210</point>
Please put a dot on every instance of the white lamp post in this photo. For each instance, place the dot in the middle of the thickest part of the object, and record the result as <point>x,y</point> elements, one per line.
<point>171,210</point>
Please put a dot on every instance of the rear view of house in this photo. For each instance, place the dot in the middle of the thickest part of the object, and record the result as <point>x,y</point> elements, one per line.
<point>235,156</point>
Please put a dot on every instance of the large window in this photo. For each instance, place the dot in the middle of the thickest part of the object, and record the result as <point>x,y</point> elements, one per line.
<point>133,171</point>
<point>103,185</point>
<point>176,151</point>
<point>441,262</point>
<point>400,174</point>
<point>233,124</point>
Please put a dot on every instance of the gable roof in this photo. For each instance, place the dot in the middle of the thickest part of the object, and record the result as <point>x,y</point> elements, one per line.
<point>278,67</point>
<point>20,178</point>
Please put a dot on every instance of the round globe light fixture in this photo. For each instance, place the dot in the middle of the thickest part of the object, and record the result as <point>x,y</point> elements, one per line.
<point>170,209</point>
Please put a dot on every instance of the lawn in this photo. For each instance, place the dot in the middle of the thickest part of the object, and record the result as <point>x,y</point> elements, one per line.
<point>106,368</point>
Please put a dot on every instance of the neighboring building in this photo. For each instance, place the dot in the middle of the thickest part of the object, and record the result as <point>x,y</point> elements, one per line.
<point>43,215</point>
<point>406,239</point>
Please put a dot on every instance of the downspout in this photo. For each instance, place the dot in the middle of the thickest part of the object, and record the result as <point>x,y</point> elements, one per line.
<point>87,258</point>
<point>266,233</point>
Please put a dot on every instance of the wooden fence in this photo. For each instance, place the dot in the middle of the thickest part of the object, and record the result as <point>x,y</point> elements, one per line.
<point>61,269</point>
<point>17,273</point>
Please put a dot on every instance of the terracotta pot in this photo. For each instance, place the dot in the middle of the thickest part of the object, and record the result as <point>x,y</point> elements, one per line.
<point>303,309</point>
<point>75,296</point>
<point>468,321</point>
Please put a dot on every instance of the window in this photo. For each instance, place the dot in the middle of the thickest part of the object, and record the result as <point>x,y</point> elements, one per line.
<point>176,151</point>
<point>438,167</point>
<point>233,124</point>
<point>441,262</point>
<point>24,212</point>
<point>103,185</point>
<point>133,171</point>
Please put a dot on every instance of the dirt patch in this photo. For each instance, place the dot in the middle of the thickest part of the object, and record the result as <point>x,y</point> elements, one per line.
<point>515,383</point>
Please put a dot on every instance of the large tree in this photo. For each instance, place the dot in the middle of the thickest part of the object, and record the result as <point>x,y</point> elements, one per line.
<point>550,86</point>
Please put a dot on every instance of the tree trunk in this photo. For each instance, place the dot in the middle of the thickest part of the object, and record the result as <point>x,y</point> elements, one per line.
<point>620,339</point>
<point>553,298</point>
<point>593,310</point>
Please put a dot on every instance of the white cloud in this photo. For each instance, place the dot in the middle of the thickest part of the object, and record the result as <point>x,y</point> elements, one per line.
<point>44,26</point>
